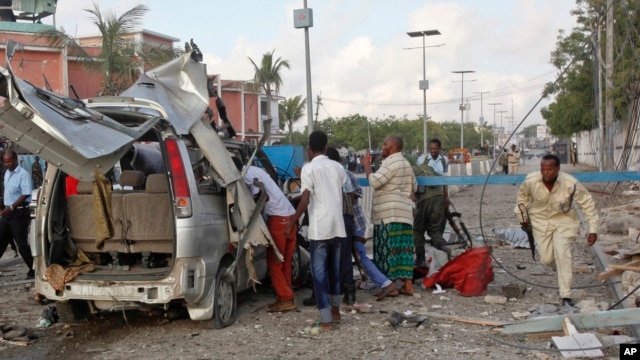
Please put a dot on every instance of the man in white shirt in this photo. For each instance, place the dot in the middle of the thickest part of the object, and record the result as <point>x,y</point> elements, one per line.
<point>322,180</point>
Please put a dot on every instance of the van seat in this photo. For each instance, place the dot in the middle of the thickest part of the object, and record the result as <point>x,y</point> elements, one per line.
<point>149,216</point>
<point>82,222</point>
<point>133,179</point>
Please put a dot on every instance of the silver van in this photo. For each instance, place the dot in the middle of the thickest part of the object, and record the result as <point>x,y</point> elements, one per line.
<point>142,204</point>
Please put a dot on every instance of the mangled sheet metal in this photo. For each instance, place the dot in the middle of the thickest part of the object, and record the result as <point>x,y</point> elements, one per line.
<point>180,86</point>
<point>79,140</point>
<point>62,131</point>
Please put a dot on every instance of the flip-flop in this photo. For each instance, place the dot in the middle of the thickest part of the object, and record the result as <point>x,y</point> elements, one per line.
<point>385,292</point>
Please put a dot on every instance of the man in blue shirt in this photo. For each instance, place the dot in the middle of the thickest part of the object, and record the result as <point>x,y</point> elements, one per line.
<point>15,217</point>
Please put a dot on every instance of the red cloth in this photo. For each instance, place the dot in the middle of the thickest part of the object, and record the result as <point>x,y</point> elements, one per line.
<point>469,273</point>
<point>280,271</point>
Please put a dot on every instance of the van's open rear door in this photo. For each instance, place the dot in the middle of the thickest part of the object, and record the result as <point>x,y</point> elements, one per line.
<point>62,131</point>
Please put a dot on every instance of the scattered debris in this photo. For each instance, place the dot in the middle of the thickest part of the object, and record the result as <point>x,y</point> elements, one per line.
<point>585,321</point>
<point>439,290</point>
<point>466,320</point>
<point>397,319</point>
<point>520,314</point>
<point>515,236</point>
<point>495,299</point>
<point>362,308</point>
<point>613,270</point>
<point>575,340</point>
<point>582,269</point>
<point>514,290</point>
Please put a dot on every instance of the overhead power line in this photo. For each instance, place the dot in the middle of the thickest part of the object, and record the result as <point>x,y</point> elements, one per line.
<point>520,87</point>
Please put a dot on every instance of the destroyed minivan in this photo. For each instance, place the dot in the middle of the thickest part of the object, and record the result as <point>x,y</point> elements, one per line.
<point>142,204</point>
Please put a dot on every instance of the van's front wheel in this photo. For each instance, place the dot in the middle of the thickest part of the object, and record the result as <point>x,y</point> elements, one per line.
<point>224,301</point>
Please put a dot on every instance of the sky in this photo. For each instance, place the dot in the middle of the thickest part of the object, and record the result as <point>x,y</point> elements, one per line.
<point>362,60</point>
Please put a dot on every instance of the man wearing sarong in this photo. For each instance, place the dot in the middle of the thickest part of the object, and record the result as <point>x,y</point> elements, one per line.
<point>394,186</point>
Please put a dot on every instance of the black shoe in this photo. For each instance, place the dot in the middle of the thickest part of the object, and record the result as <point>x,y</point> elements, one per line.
<point>349,297</point>
<point>310,301</point>
<point>567,301</point>
<point>30,275</point>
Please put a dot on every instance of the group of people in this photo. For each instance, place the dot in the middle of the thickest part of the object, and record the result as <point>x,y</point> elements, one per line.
<point>403,212</point>
<point>337,224</point>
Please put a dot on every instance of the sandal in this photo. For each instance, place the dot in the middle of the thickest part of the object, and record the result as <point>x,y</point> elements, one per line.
<point>386,291</point>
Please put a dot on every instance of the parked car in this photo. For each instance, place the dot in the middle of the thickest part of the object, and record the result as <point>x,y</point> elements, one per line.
<point>142,204</point>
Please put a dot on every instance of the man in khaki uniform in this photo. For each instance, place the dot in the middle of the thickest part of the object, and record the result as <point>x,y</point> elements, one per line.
<point>513,159</point>
<point>549,196</point>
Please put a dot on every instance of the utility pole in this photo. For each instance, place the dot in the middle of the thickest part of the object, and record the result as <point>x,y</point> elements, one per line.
<point>609,115</point>
<point>512,127</point>
<point>598,85</point>
<point>318,103</point>
<point>462,104</point>
<point>494,128</point>
<point>501,138</point>
<point>481,117</point>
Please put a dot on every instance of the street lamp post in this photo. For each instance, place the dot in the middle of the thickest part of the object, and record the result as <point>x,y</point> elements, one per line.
<point>462,105</point>
<point>481,117</point>
<point>303,18</point>
<point>501,128</point>
<point>494,128</point>
<point>424,84</point>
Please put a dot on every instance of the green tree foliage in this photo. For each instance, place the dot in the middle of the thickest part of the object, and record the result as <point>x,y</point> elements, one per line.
<point>290,111</point>
<point>121,56</point>
<point>268,76</point>
<point>573,109</point>
<point>529,131</point>
<point>354,131</point>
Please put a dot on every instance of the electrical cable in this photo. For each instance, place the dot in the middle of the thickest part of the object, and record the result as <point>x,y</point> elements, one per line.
<point>624,298</point>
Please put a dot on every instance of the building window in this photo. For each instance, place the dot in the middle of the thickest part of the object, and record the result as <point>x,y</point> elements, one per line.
<point>263,107</point>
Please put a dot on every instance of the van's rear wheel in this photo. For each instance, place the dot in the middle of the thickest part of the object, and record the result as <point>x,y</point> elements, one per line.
<point>224,301</point>
<point>72,311</point>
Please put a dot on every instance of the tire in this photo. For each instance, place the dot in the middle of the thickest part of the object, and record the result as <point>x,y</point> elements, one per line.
<point>73,311</point>
<point>225,301</point>
<point>295,267</point>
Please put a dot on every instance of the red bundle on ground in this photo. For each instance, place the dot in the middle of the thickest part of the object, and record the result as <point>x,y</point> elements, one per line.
<point>469,273</point>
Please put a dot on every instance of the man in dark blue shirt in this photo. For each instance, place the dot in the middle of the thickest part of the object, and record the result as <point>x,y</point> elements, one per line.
<point>15,217</point>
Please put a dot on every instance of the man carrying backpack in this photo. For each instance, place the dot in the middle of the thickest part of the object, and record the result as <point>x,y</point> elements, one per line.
<point>431,202</point>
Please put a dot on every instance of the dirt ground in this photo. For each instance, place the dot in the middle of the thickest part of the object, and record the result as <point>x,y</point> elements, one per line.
<point>258,334</point>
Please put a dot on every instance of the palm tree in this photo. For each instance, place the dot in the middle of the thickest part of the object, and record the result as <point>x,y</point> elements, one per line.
<point>267,75</point>
<point>121,58</point>
<point>290,111</point>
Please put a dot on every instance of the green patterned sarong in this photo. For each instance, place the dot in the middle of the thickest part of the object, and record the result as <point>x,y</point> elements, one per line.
<point>393,250</point>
